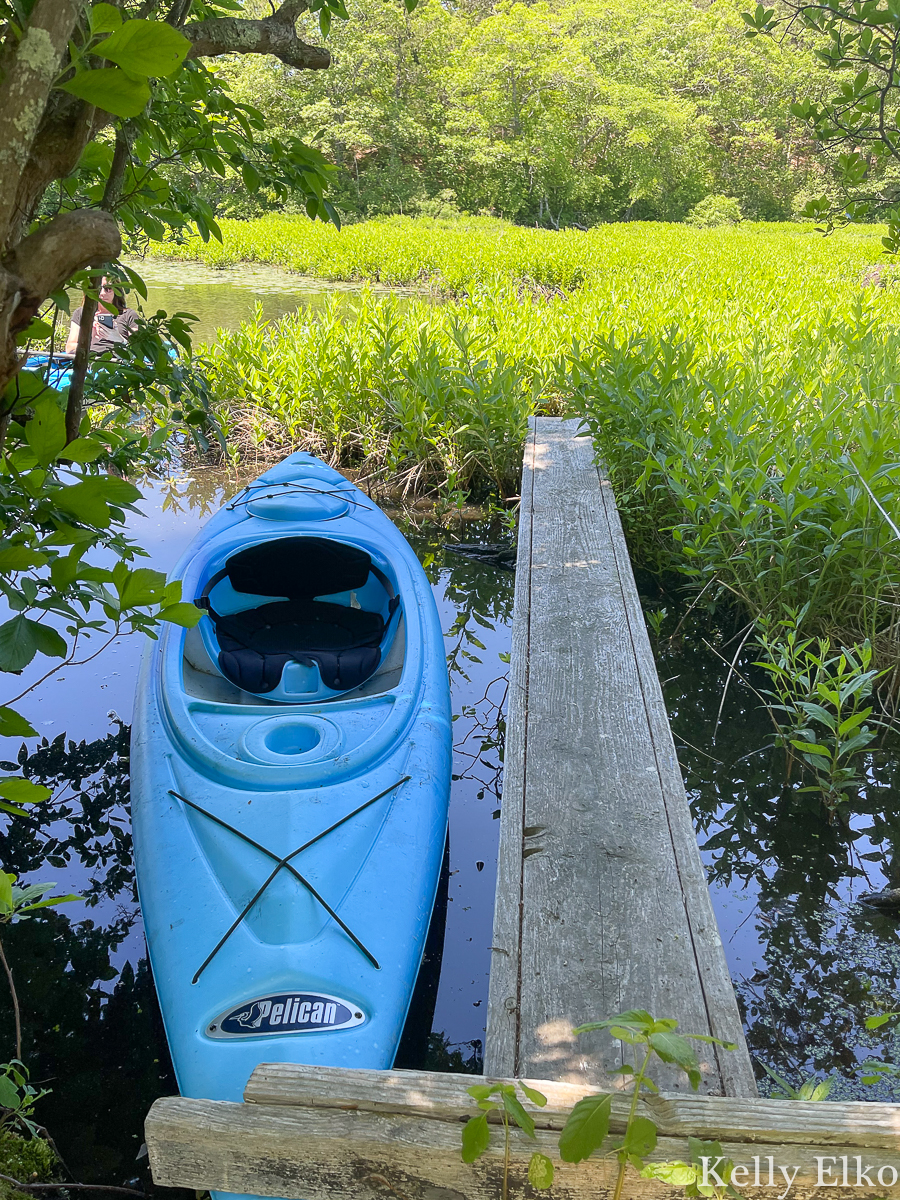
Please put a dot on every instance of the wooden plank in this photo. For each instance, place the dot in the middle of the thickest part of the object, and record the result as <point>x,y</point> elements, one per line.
<point>444,1097</point>
<point>735,1068</point>
<point>502,1027</point>
<point>602,902</point>
<point>298,1152</point>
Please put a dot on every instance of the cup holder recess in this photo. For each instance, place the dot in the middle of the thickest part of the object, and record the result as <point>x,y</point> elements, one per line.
<point>291,738</point>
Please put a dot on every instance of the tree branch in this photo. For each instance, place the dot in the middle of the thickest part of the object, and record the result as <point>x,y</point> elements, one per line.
<point>273,35</point>
<point>45,259</point>
<point>24,89</point>
<point>41,263</point>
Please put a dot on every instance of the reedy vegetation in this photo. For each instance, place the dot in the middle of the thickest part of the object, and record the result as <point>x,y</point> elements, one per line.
<point>739,384</point>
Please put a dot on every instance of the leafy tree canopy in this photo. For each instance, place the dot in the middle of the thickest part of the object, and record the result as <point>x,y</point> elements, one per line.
<point>857,119</point>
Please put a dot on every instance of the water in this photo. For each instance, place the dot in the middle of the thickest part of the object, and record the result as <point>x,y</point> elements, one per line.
<point>809,963</point>
<point>222,298</point>
<point>91,1023</point>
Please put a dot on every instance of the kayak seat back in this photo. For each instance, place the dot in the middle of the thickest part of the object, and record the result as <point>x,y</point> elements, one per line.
<point>299,600</point>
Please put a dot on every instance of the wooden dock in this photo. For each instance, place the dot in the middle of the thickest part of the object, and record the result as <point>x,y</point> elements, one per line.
<point>322,1133</point>
<point>602,903</point>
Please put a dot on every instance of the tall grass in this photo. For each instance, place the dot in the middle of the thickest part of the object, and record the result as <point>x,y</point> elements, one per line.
<point>457,256</point>
<point>740,386</point>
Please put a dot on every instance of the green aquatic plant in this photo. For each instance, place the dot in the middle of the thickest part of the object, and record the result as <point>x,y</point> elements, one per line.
<point>821,695</point>
<point>738,384</point>
<point>812,1088</point>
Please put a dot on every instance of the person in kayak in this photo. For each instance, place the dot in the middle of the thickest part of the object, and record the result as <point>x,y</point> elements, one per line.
<point>114,322</point>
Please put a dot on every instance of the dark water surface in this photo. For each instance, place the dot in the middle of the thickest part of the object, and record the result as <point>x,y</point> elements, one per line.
<point>810,963</point>
<point>91,1023</point>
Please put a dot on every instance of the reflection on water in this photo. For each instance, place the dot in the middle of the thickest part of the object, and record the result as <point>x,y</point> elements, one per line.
<point>91,1025</point>
<point>809,963</point>
<point>221,299</point>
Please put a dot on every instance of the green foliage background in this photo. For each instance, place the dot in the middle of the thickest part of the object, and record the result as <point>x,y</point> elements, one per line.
<point>550,113</point>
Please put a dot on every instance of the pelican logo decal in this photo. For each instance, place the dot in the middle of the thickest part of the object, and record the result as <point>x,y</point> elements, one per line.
<point>288,1012</point>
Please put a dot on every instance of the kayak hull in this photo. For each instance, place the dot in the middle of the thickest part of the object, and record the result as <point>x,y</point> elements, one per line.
<point>288,854</point>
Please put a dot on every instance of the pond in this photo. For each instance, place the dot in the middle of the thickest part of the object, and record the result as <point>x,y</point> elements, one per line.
<point>809,963</point>
<point>223,297</point>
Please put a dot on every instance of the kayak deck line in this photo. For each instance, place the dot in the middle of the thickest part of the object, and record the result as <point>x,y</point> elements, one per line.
<point>286,863</point>
<point>243,497</point>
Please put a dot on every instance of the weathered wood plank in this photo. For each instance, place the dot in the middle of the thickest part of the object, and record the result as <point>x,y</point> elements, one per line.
<point>602,902</point>
<point>444,1097</point>
<point>502,1031</point>
<point>298,1152</point>
<point>735,1069</point>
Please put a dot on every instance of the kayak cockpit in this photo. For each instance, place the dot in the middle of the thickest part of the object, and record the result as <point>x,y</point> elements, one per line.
<point>299,619</point>
<point>203,680</point>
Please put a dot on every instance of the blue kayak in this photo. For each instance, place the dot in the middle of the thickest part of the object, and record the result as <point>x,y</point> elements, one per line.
<point>290,783</point>
<point>57,368</point>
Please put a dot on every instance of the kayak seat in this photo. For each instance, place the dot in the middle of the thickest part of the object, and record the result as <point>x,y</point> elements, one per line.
<point>304,624</point>
<point>258,643</point>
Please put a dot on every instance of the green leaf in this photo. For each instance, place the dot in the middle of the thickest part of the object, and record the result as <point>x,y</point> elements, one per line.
<point>89,499</point>
<point>141,587</point>
<point>810,747</point>
<point>479,1091</point>
<point>677,1174</point>
<point>672,1048</point>
<point>640,1138</point>
<point>46,431</point>
<point>533,1094</point>
<point>17,644</point>
<point>514,1108</point>
<point>881,1019</point>
<point>84,449</point>
<point>14,725</point>
<point>540,1171</point>
<point>12,809</point>
<point>186,615</point>
<point>20,558</point>
<point>586,1128</point>
<point>637,1018</point>
<point>23,791</point>
<point>111,90</point>
<point>6,886</point>
<point>250,176</point>
<point>50,902</point>
<point>146,48</point>
<point>23,389</point>
<point>475,1138</point>
<point>9,1093</point>
<point>36,331</point>
<point>105,18</point>
<point>48,641</point>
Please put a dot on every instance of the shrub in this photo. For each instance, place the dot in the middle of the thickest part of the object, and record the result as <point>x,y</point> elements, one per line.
<point>714,211</point>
